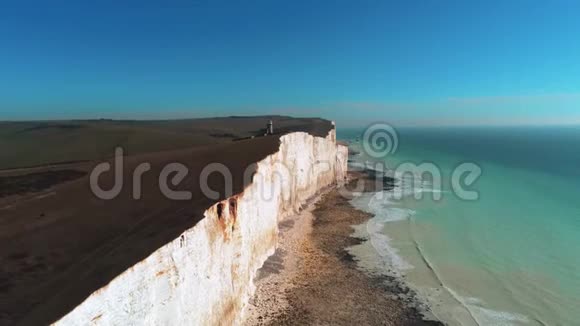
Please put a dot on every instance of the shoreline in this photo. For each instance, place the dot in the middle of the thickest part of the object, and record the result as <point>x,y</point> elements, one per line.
<point>314,279</point>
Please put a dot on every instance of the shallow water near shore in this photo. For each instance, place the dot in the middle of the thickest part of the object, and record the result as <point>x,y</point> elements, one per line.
<point>509,258</point>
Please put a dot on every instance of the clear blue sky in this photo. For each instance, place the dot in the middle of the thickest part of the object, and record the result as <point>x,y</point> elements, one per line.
<point>410,62</point>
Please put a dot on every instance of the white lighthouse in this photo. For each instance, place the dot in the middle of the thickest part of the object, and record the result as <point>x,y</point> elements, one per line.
<point>270,128</point>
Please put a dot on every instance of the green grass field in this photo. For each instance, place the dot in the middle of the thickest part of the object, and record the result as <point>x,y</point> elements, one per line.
<point>33,143</point>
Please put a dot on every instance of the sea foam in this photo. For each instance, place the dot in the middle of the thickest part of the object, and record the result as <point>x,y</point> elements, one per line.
<point>383,212</point>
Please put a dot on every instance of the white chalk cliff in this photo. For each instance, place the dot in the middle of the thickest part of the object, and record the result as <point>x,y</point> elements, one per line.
<point>205,276</point>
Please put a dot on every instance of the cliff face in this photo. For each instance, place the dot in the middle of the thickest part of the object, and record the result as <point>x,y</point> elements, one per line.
<point>205,276</point>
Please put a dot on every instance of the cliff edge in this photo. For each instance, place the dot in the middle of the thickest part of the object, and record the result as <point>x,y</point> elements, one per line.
<point>61,246</point>
<point>205,276</point>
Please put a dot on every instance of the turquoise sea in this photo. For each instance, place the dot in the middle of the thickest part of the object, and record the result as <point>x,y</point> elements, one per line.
<point>511,257</point>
